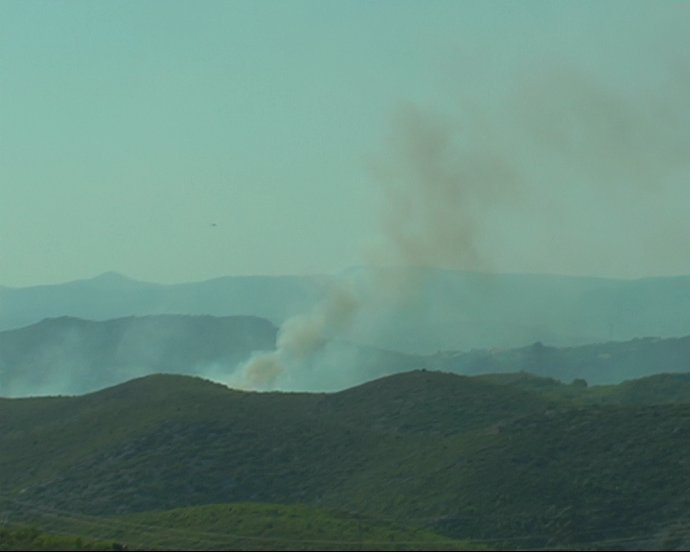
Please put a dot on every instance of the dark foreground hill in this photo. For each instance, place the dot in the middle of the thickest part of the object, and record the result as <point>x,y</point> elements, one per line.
<point>499,461</point>
<point>240,526</point>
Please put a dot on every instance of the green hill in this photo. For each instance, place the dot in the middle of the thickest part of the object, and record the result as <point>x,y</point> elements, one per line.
<point>30,538</point>
<point>242,526</point>
<point>482,459</point>
<point>658,389</point>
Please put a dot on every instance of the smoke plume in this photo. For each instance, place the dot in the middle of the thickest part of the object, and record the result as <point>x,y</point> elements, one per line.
<point>436,190</point>
<point>539,178</point>
<point>302,336</point>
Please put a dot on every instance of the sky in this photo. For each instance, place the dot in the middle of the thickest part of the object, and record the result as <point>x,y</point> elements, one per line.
<point>179,141</point>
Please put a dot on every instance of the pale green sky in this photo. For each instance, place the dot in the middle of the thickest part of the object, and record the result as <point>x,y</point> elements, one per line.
<point>127,129</point>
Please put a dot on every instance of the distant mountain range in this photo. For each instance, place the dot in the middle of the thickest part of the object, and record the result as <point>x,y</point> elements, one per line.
<point>511,461</point>
<point>597,364</point>
<point>112,295</point>
<point>443,310</point>
<point>67,356</point>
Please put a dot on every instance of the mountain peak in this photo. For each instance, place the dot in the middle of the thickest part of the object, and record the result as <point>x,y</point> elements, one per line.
<point>111,276</point>
<point>110,279</point>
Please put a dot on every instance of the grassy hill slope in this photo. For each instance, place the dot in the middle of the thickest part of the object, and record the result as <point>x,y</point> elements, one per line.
<point>245,526</point>
<point>73,356</point>
<point>30,538</point>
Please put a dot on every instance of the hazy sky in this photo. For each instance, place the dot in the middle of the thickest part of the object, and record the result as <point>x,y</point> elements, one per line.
<point>183,140</point>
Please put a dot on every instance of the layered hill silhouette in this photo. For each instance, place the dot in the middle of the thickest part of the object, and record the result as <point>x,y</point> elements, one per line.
<point>112,295</point>
<point>509,460</point>
<point>67,356</point>
<point>598,364</point>
<point>440,310</point>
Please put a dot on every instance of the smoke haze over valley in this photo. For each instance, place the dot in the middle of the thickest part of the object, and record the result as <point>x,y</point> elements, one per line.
<point>559,161</point>
<point>308,275</point>
<point>458,321</point>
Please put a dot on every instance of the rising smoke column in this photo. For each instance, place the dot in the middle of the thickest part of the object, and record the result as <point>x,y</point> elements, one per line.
<point>301,336</point>
<point>438,180</point>
<point>435,194</point>
<point>558,147</point>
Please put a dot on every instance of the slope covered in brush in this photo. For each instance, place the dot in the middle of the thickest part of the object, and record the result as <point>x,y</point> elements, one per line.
<point>471,458</point>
